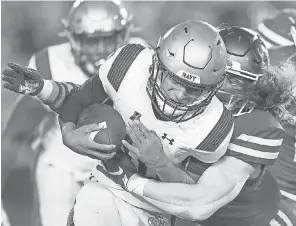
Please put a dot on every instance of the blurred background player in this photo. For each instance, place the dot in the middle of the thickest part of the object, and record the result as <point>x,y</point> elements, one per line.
<point>94,30</point>
<point>280,35</point>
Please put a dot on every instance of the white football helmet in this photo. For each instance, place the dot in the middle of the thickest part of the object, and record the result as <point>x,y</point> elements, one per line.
<point>193,55</point>
<point>95,29</point>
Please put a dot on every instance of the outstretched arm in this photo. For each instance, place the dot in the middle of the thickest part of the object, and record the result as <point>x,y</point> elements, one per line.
<point>28,81</point>
<point>217,186</point>
<point>55,93</point>
<point>68,101</point>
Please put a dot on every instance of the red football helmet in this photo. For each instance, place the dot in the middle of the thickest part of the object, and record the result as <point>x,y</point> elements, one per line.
<point>247,58</point>
<point>191,55</point>
<point>95,29</point>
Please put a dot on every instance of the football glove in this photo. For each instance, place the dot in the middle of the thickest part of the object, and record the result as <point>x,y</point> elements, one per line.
<point>22,80</point>
<point>121,170</point>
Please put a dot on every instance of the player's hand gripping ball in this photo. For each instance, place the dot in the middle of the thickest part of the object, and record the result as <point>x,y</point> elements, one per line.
<point>112,127</point>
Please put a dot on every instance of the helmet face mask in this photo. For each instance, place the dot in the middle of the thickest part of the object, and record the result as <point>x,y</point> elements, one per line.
<point>170,109</point>
<point>247,58</point>
<point>183,82</point>
<point>89,51</point>
<point>95,29</point>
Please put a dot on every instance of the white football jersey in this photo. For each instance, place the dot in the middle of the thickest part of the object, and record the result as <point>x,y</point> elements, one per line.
<point>194,137</point>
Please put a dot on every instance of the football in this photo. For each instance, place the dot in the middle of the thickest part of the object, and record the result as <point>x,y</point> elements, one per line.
<point>112,125</point>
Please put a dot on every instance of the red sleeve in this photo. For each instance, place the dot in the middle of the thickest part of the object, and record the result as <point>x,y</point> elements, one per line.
<point>261,146</point>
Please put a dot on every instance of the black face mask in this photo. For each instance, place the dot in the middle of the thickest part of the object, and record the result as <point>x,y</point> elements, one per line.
<point>178,112</point>
<point>89,52</point>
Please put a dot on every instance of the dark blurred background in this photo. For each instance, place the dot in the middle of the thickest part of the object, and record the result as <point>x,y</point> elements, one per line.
<point>28,26</point>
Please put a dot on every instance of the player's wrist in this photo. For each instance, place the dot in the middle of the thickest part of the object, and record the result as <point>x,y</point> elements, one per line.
<point>39,88</point>
<point>136,184</point>
<point>44,91</point>
<point>160,164</point>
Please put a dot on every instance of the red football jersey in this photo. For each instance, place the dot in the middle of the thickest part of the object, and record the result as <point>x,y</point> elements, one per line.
<point>257,139</point>
<point>284,169</point>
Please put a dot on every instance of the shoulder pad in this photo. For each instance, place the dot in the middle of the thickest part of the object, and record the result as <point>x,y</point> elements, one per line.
<point>122,63</point>
<point>256,119</point>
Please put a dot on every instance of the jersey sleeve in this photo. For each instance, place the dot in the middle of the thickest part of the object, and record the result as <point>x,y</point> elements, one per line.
<point>260,146</point>
<point>89,93</point>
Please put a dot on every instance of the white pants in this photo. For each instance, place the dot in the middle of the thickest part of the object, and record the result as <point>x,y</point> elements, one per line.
<point>57,190</point>
<point>59,173</point>
<point>96,205</point>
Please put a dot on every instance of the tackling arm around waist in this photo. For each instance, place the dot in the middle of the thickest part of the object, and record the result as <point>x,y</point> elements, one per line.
<point>218,186</point>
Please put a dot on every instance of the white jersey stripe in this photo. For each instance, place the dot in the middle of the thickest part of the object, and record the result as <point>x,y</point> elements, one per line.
<point>252,152</point>
<point>260,141</point>
<point>46,91</point>
<point>285,218</point>
<point>273,222</point>
<point>288,195</point>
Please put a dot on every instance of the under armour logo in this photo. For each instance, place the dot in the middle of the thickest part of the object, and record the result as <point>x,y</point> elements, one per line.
<point>171,141</point>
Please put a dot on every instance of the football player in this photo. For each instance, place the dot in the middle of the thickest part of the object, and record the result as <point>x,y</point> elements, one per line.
<point>251,92</point>
<point>94,29</point>
<point>173,89</point>
<point>275,29</point>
